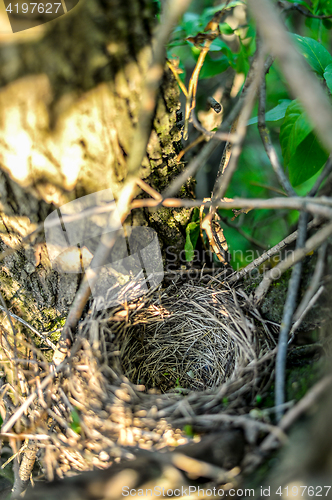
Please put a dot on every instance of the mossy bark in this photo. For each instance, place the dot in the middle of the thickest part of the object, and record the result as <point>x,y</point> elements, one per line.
<point>69,106</point>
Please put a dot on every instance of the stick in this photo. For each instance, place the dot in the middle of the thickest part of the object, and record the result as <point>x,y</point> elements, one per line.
<point>289,308</point>
<point>279,43</point>
<point>275,273</point>
<point>267,255</point>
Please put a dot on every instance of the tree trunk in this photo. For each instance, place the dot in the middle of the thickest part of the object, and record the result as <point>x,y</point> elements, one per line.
<point>69,106</point>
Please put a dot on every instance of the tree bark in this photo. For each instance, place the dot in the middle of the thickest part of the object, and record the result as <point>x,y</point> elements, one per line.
<point>69,106</point>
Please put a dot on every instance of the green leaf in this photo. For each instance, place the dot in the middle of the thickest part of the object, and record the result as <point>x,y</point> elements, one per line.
<point>274,114</point>
<point>226,29</point>
<point>210,11</point>
<point>7,472</point>
<point>188,429</point>
<point>75,425</point>
<point>218,45</point>
<point>195,215</point>
<point>307,160</point>
<point>189,249</point>
<point>294,130</point>
<point>191,23</point>
<point>192,233</point>
<point>213,67</point>
<point>301,2</point>
<point>242,60</point>
<point>327,24</point>
<point>314,52</point>
<point>302,152</point>
<point>328,76</point>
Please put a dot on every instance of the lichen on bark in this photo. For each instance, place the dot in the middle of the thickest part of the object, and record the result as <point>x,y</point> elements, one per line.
<point>69,106</point>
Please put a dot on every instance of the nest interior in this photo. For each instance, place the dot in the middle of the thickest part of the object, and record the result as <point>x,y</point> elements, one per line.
<point>189,339</point>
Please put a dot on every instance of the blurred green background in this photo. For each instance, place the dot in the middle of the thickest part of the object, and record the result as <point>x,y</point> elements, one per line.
<point>230,59</point>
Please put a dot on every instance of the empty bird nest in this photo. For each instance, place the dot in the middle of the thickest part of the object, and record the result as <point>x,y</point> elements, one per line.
<point>187,359</point>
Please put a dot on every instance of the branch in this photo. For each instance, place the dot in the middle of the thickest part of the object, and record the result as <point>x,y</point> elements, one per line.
<point>319,206</point>
<point>296,6</point>
<point>266,140</point>
<point>289,308</point>
<point>232,152</point>
<point>25,470</point>
<point>279,43</point>
<point>207,150</point>
<point>312,243</point>
<point>267,255</point>
<point>302,406</point>
<point>40,335</point>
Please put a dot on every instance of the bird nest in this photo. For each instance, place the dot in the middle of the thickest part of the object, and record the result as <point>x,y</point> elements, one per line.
<point>193,356</point>
<point>189,339</point>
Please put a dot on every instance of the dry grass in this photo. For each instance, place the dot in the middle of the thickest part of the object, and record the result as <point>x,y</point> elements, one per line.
<point>191,354</point>
<point>191,338</point>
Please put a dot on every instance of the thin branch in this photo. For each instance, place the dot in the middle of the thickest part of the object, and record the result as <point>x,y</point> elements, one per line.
<point>40,335</point>
<point>279,43</point>
<point>177,78</point>
<point>192,88</point>
<point>243,233</point>
<point>213,28</point>
<point>323,175</point>
<point>311,302</point>
<point>23,435</point>
<point>207,150</point>
<point>294,413</point>
<point>172,11</point>
<point>266,139</point>
<point>289,308</point>
<point>267,255</point>
<point>306,13</point>
<point>199,139</point>
<point>311,244</point>
<point>232,152</point>
<point>314,282</point>
<point>294,282</point>
<point>317,206</point>
<point>148,189</point>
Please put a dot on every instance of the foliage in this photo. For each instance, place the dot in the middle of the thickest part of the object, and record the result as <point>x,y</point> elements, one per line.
<point>75,424</point>
<point>300,151</point>
<point>221,57</point>
<point>192,233</point>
